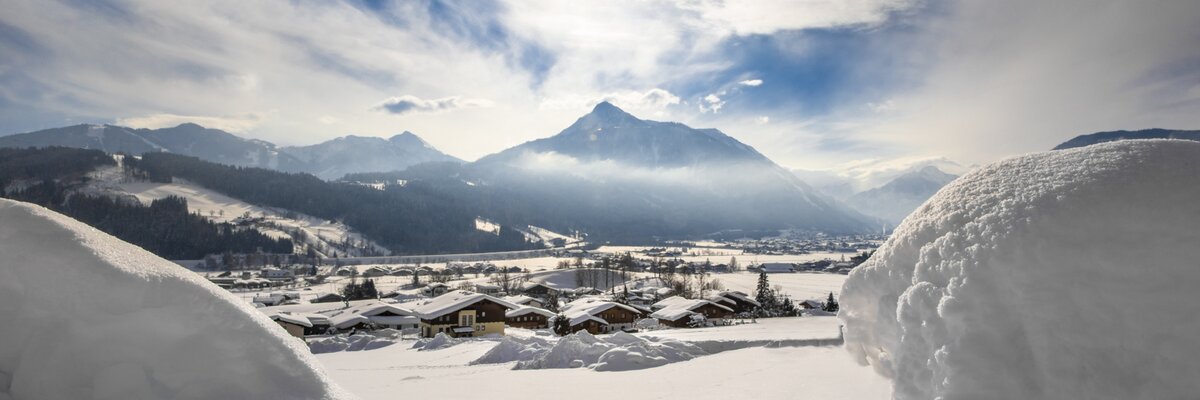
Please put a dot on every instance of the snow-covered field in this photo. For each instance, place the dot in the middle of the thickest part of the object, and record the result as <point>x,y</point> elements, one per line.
<point>722,255</point>
<point>818,372</point>
<point>800,285</point>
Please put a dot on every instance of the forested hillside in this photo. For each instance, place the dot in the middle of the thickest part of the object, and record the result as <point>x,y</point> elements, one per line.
<point>408,219</point>
<point>50,177</point>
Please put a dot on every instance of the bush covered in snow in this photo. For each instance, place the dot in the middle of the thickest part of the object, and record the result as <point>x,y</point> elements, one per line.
<point>1068,274</point>
<point>84,315</point>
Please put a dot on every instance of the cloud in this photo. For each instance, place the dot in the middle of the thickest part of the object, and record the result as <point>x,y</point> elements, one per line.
<point>412,104</point>
<point>655,100</point>
<point>711,103</point>
<point>751,82</point>
<point>763,120</point>
<point>236,123</point>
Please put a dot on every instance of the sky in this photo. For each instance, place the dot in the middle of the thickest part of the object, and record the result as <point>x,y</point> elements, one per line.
<point>812,84</point>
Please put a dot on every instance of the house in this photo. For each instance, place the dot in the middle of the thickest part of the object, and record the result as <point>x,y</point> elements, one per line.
<point>374,314</point>
<point>402,272</point>
<point>328,298</point>
<point>436,289</point>
<point>777,268</point>
<point>741,301</point>
<point>679,312</point>
<point>376,271</point>
<point>487,288</point>
<point>275,273</point>
<point>295,325</point>
<point>346,271</point>
<point>522,300</point>
<point>582,321</point>
<point>538,289</point>
<point>463,314</point>
<point>528,317</point>
<point>810,304</point>
<point>613,316</point>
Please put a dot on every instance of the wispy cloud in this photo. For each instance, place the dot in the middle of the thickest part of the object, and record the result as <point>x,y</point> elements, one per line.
<point>412,104</point>
<point>235,123</point>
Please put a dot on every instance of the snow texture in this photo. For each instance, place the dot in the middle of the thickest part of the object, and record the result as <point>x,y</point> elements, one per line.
<point>1068,274</point>
<point>357,342</point>
<point>616,352</point>
<point>87,316</point>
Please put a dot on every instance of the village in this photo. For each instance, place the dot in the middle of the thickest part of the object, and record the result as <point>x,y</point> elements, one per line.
<point>598,293</point>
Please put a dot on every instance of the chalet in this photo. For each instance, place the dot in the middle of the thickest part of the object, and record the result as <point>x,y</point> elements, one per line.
<point>402,272</point>
<point>680,313</point>
<point>528,317</point>
<point>436,289</point>
<point>522,300</point>
<point>614,316</point>
<point>582,321</point>
<point>374,314</point>
<point>275,273</point>
<point>328,298</point>
<point>810,304</point>
<point>463,314</point>
<point>777,268</point>
<point>487,288</point>
<point>295,325</point>
<point>741,301</point>
<point>538,289</point>
<point>346,271</point>
<point>376,271</point>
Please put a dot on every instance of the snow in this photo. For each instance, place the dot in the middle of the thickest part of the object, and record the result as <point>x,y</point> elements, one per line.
<point>357,342</point>
<point>526,310</point>
<point>322,234</point>
<point>453,301</point>
<point>1068,274</point>
<point>89,316</point>
<point>818,372</point>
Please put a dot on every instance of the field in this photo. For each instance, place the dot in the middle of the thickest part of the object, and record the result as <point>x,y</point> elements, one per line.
<point>795,372</point>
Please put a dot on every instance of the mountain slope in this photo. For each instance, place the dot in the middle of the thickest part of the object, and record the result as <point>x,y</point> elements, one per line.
<point>1101,137</point>
<point>896,199</point>
<point>352,154</point>
<point>623,178</point>
<point>107,138</point>
<point>187,139</point>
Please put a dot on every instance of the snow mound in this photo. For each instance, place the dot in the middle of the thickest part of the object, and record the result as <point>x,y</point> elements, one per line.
<point>1069,274</point>
<point>616,352</point>
<point>86,315</point>
<point>358,342</point>
<point>440,341</point>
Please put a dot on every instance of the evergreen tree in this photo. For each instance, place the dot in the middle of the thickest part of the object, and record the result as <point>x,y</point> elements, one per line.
<point>765,296</point>
<point>831,305</point>
<point>561,325</point>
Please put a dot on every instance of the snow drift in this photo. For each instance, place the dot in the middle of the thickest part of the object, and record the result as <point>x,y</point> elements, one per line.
<point>85,315</point>
<point>1069,274</point>
<point>616,352</point>
<point>358,342</point>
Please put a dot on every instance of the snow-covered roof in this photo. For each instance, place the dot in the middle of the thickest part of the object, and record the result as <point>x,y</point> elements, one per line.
<point>595,305</point>
<point>521,299</point>
<point>454,301</point>
<point>394,320</point>
<point>682,307</point>
<point>528,310</point>
<point>580,316</point>
<point>293,318</point>
<point>733,294</point>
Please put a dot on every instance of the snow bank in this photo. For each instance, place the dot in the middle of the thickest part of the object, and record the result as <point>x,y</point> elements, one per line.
<point>358,342</point>
<point>85,315</point>
<point>616,352</point>
<point>440,341</point>
<point>1069,274</point>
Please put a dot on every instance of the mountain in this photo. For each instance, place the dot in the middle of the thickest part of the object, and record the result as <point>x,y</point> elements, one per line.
<point>107,138</point>
<point>328,160</point>
<point>1101,137</point>
<point>352,154</point>
<point>622,178</point>
<point>188,139</point>
<point>896,199</point>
